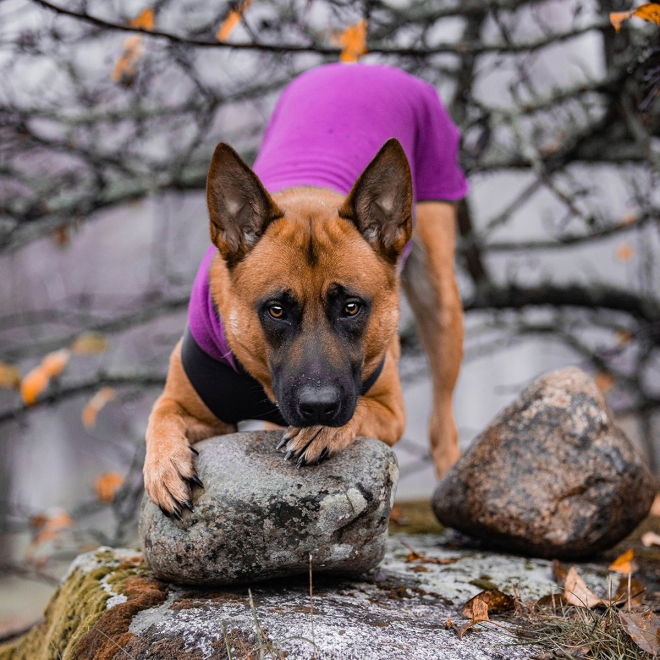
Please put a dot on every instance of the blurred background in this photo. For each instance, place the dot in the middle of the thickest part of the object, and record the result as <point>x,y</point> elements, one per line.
<point>109,111</point>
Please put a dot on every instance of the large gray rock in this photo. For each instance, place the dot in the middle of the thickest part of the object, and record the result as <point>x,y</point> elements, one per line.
<point>109,606</point>
<point>260,516</point>
<point>552,476</point>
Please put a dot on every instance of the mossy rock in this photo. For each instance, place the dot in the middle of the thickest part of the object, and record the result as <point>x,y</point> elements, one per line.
<point>88,616</point>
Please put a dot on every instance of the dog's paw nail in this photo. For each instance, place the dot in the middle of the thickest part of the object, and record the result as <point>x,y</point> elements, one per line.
<point>165,512</point>
<point>283,441</point>
<point>301,462</point>
<point>193,450</point>
<point>289,455</point>
<point>187,504</point>
<point>196,481</point>
<point>177,514</point>
<point>323,455</point>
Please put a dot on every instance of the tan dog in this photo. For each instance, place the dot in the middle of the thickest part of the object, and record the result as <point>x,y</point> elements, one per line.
<point>307,283</point>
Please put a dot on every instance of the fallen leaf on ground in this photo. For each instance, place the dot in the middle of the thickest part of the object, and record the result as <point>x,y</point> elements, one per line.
<point>644,630</point>
<point>353,41</point>
<point>650,538</point>
<point>496,602</point>
<point>477,613</point>
<point>629,593</point>
<point>10,376</point>
<point>107,484</point>
<point>413,555</point>
<point>624,563</point>
<point>576,591</point>
<point>559,572</point>
<point>94,406</point>
<point>89,343</point>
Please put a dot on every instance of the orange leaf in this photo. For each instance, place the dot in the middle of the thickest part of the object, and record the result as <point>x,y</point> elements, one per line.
<point>232,20</point>
<point>649,12</point>
<point>496,602</point>
<point>125,68</point>
<point>604,381</point>
<point>617,18</point>
<point>576,591</point>
<point>644,630</point>
<point>624,252</point>
<point>54,363</point>
<point>353,41</point>
<point>144,20</point>
<point>107,484</point>
<point>10,376</point>
<point>94,405</point>
<point>89,342</point>
<point>624,563</point>
<point>47,529</point>
<point>33,384</point>
<point>624,336</point>
<point>477,613</point>
<point>629,218</point>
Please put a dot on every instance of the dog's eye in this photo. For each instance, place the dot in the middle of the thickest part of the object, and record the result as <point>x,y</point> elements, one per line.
<point>351,308</point>
<point>276,311</point>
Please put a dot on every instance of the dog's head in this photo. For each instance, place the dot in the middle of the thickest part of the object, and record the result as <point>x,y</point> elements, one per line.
<point>307,285</point>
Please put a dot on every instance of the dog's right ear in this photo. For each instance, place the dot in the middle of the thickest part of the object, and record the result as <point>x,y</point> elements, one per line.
<point>240,208</point>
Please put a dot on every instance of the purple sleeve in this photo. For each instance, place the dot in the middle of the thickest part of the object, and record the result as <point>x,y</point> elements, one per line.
<point>438,176</point>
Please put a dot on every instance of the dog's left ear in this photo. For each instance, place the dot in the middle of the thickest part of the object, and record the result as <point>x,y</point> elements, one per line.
<point>380,203</point>
<point>240,208</point>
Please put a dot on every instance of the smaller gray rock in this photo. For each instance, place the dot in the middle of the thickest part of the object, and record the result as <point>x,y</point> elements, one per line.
<point>552,476</point>
<point>260,517</point>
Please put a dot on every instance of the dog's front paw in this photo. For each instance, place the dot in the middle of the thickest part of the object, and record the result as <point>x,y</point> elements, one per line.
<point>313,444</point>
<point>169,475</point>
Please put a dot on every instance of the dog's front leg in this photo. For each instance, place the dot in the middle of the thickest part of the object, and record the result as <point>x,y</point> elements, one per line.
<point>178,418</point>
<point>430,286</point>
<point>379,414</point>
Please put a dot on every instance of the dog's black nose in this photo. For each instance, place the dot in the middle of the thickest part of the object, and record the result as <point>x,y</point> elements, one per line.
<point>318,405</point>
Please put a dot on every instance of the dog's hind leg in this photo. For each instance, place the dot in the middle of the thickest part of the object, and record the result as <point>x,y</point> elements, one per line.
<point>430,284</point>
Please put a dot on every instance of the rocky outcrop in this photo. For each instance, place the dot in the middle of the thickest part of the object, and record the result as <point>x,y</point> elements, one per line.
<point>552,476</point>
<point>110,607</point>
<point>259,516</point>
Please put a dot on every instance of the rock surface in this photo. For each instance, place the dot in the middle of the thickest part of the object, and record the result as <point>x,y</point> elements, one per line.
<point>260,516</point>
<point>109,607</point>
<point>552,476</point>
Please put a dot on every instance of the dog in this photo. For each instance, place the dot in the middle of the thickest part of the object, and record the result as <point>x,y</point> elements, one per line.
<point>294,312</point>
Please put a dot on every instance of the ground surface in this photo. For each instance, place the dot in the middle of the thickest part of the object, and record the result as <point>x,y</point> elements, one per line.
<point>109,606</point>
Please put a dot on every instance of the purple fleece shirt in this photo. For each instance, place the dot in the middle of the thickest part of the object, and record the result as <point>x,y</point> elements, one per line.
<point>327,126</point>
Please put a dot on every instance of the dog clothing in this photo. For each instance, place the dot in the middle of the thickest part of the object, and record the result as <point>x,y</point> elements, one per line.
<point>327,126</point>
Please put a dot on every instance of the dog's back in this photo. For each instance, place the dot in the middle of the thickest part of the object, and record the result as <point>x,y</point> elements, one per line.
<point>330,122</point>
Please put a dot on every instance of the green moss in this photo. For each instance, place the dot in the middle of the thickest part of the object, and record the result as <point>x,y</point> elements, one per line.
<point>74,608</point>
<point>483,583</point>
<point>414,517</point>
